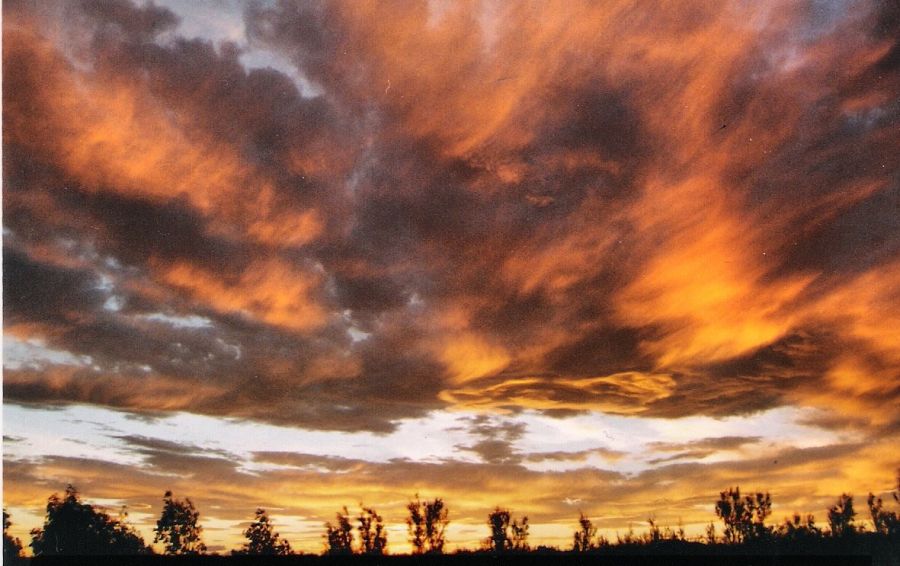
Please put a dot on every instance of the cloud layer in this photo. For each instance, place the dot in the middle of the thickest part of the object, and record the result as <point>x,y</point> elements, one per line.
<point>562,207</point>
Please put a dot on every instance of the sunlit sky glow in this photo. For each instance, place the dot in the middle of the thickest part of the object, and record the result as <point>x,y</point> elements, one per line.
<point>557,256</point>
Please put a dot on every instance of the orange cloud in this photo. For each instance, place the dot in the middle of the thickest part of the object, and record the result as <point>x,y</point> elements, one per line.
<point>622,393</point>
<point>111,134</point>
<point>470,358</point>
<point>271,292</point>
<point>703,279</point>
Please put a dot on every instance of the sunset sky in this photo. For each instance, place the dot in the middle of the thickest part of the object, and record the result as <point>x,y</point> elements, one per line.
<point>610,257</point>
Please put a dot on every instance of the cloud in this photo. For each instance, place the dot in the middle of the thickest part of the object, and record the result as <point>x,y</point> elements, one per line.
<point>622,393</point>
<point>711,443</point>
<point>578,456</point>
<point>497,439</point>
<point>699,449</point>
<point>561,208</point>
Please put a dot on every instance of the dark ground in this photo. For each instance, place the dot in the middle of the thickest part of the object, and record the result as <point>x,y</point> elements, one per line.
<point>473,560</point>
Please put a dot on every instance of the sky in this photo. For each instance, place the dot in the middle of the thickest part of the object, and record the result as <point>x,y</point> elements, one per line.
<point>555,256</point>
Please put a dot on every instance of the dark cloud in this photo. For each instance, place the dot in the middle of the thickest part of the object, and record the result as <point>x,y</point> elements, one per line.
<point>605,350</point>
<point>154,446</point>
<point>572,208</point>
<point>40,292</point>
<point>125,19</point>
<point>579,456</point>
<point>711,443</point>
<point>861,238</point>
<point>753,382</point>
<point>497,440</point>
<point>136,232</point>
<point>699,449</point>
<point>199,464</point>
<point>307,461</point>
<point>495,452</point>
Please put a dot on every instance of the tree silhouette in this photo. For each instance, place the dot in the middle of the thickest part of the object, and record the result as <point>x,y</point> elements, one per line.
<point>373,537</point>
<point>840,517</point>
<point>72,527</point>
<point>520,535</point>
<point>75,528</point>
<point>415,524</point>
<point>799,529</point>
<point>262,540</point>
<point>744,517</point>
<point>500,521</point>
<point>584,537</point>
<point>427,522</point>
<point>885,522</point>
<point>177,527</point>
<point>339,537</point>
<point>12,547</point>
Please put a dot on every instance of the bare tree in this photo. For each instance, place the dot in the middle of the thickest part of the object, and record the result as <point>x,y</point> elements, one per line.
<point>339,536</point>
<point>373,537</point>
<point>520,535</point>
<point>841,516</point>
<point>885,522</point>
<point>744,517</point>
<point>501,523</point>
<point>584,537</point>
<point>427,523</point>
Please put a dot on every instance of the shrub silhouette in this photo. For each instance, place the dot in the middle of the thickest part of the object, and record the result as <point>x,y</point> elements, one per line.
<point>628,538</point>
<point>426,523</point>
<point>75,528</point>
<point>655,534</point>
<point>585,539</point>
<point>501,540</point>
<point>177,527</point>
<point>744,517</point>
<point>339,537</point>
<point>885,522</point>
<point>373,537</point>
<point>520,535</point>
<point>799,529</point>
<point>262,540</point>
<point>840,517</point>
